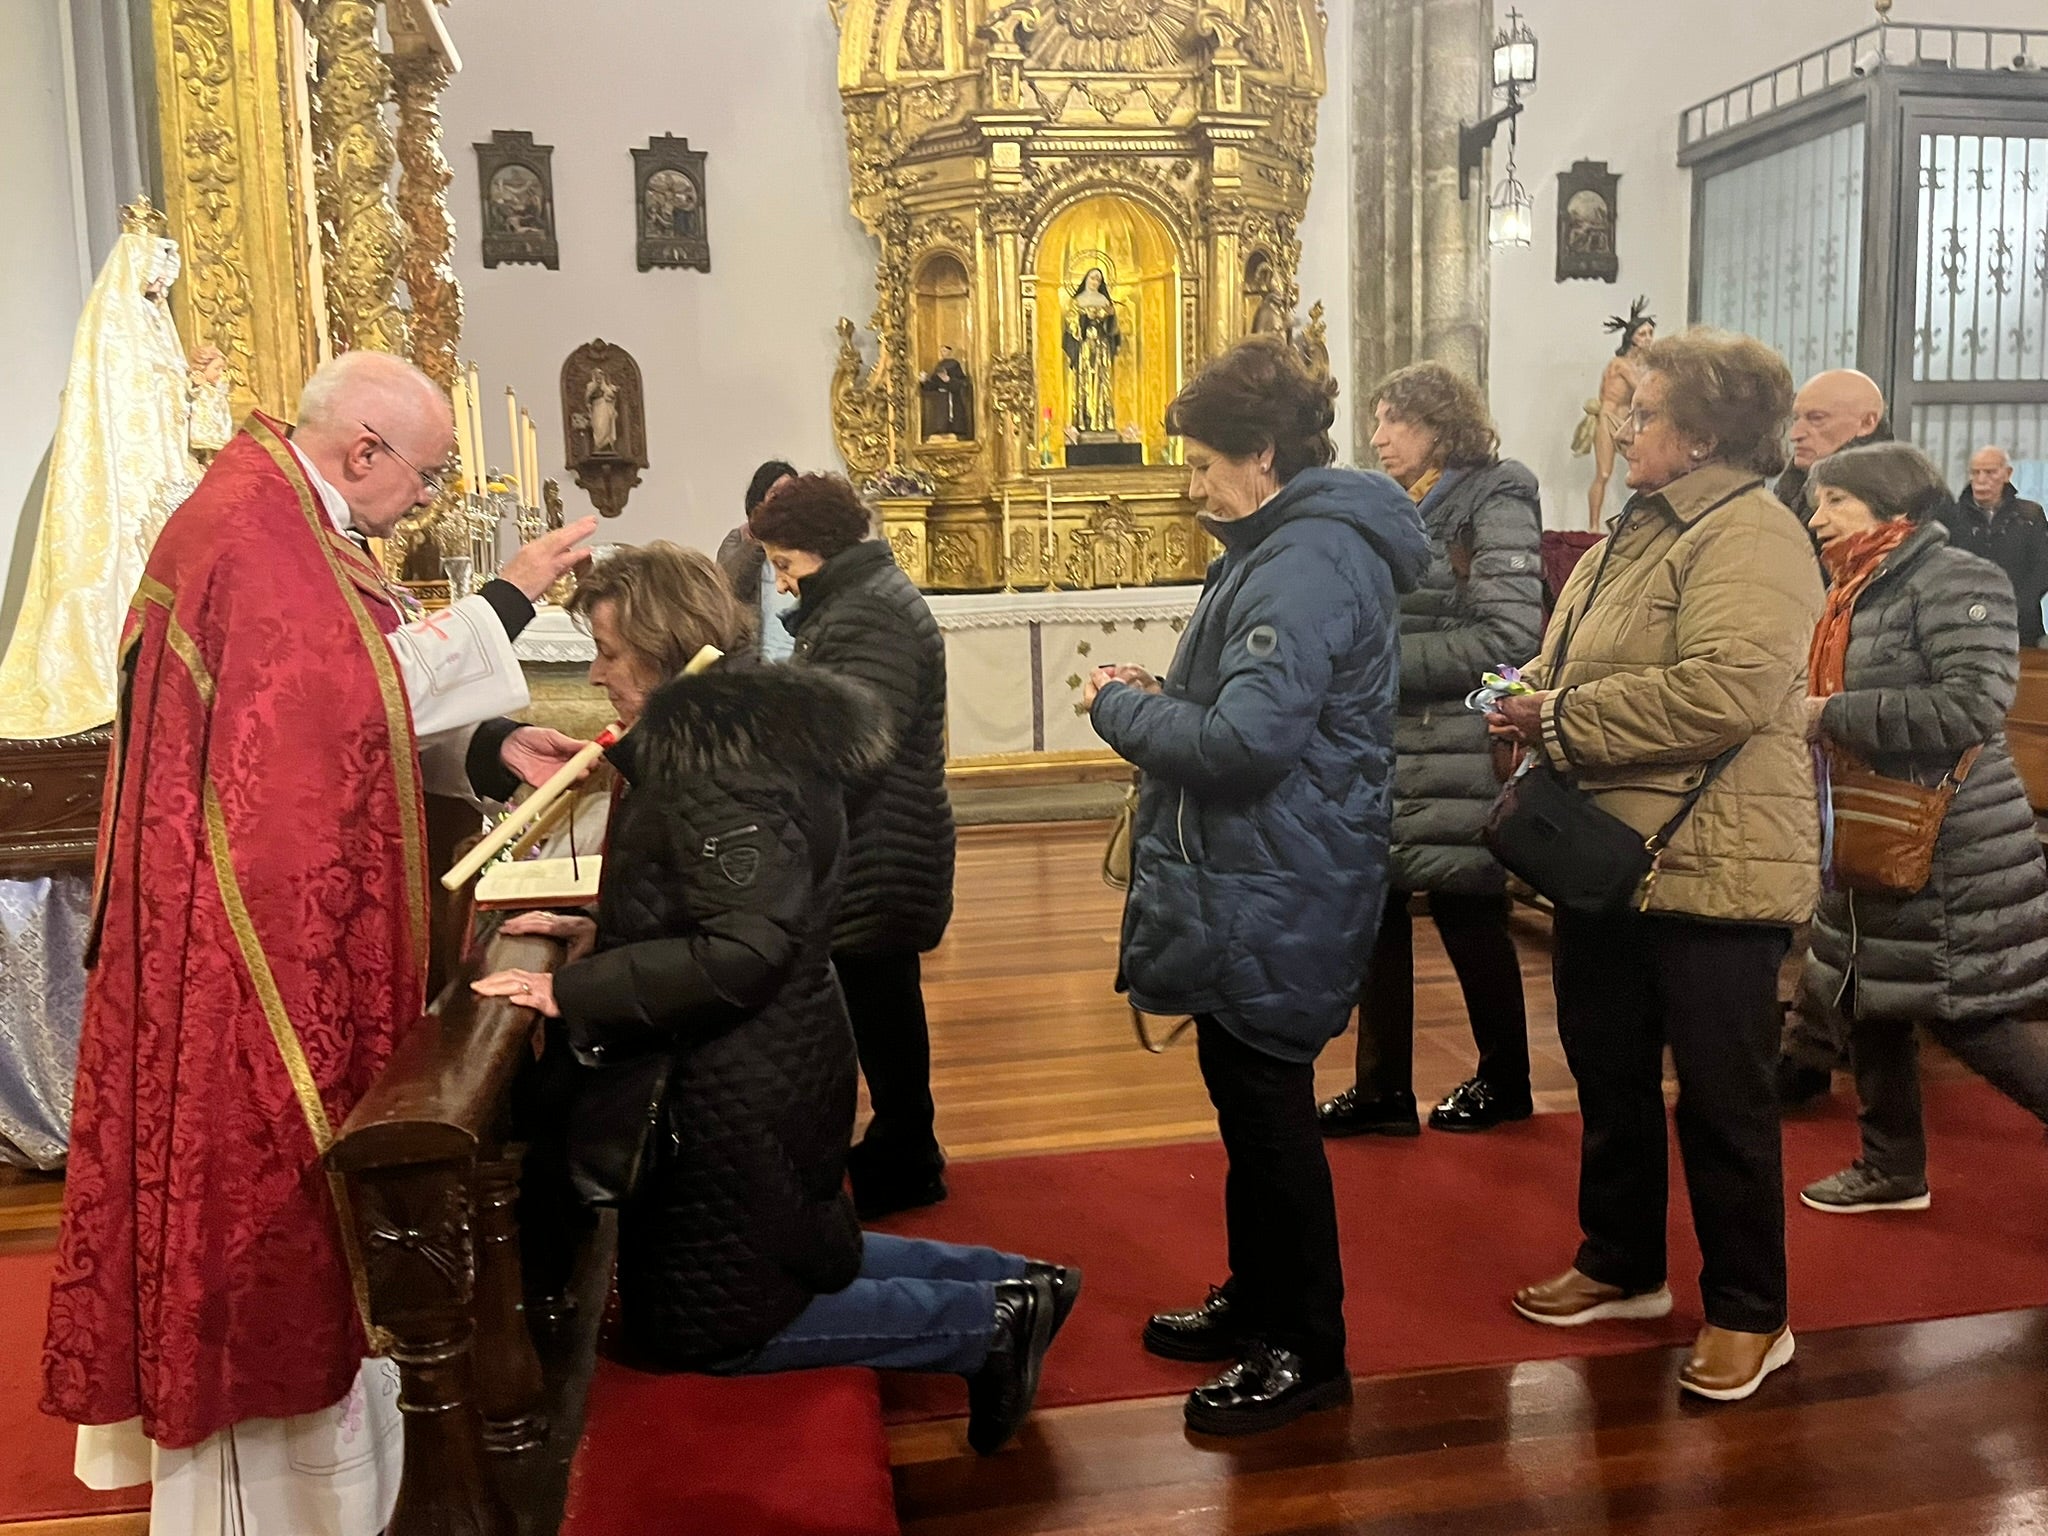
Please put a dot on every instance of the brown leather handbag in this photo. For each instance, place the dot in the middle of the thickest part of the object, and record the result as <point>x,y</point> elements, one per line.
<point>1885,828</point>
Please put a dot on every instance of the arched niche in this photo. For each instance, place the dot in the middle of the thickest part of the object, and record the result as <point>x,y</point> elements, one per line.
<point>941,309</point>
<point>1141,265</point>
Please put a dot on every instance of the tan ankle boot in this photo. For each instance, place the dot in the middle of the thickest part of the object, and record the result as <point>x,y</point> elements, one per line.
<point>1727,1366</point>
<point>1573,1299</point>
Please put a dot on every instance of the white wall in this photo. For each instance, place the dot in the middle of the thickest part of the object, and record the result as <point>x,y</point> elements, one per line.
<point>1614,78</point>
<point>43,278</point>
<point>736,364</point>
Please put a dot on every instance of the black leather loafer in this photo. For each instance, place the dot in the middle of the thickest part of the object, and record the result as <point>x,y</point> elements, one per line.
<point>1476,1105</point>
<point>1207,1332</point>
<point>1000,1394</point>
<point>1066,1288</point>
<point>1350,1114</point>
<point>1268,1388</point>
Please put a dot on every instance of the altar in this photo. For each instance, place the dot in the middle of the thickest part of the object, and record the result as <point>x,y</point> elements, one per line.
<point>1016,663</point>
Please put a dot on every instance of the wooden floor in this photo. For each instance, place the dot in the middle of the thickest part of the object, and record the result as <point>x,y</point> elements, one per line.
<point>1932,1428</point>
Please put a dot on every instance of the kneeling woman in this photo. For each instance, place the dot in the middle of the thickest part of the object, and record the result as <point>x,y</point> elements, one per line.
<point>738,1247</point>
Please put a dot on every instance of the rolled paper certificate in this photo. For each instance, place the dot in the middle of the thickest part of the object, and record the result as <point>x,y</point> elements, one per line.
<point>536,805</point>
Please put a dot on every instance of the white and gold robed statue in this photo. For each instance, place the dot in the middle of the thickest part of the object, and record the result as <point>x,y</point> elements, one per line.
<point>132,408</point>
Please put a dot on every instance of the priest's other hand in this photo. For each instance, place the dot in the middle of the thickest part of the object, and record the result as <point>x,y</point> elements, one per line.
<point>581,932</point>
<point>537,754</point>
<point>548,559</point>
<point>523,989</point>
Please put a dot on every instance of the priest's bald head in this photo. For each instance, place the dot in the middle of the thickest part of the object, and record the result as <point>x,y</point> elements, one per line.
<point>1834,410</point>
<point>380,432</point>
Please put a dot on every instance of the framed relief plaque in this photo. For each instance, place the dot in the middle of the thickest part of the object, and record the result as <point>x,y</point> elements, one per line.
<point>669,198</point>
<point>516,177</point>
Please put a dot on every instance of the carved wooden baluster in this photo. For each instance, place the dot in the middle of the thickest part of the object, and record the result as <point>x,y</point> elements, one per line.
<point>420,1257</point>
<point>510,1389</point>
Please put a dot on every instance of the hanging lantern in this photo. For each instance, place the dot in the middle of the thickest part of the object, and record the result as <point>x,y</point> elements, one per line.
<point>1511,216</point>
<point>1514,58</point>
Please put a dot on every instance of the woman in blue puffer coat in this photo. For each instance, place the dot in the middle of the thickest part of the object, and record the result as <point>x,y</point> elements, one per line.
<point>1259,861</point>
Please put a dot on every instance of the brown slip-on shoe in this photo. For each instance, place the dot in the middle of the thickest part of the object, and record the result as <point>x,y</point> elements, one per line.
<point>1572,1300</point>
<point>1727,1366</point>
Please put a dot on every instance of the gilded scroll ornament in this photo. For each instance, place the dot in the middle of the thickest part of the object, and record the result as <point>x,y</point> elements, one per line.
<point>353,150</point>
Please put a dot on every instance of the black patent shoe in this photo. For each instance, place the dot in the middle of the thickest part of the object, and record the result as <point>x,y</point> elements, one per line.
<point>1268,1388</point>
<point>1066,1288</point>
<point>1207,1332</point>
<point>1476,1105</point>
<point>1351,1114</point>
<point>1000,1394</point>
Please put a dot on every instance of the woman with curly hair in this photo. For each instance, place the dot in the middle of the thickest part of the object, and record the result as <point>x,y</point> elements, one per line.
<point>1259,856</point>
<point>1480,607</point>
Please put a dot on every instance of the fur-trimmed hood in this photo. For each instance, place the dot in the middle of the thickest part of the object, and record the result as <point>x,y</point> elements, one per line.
<point>736,715</point>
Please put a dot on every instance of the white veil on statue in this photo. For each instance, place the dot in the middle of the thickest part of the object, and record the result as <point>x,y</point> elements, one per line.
<point>121,463</point>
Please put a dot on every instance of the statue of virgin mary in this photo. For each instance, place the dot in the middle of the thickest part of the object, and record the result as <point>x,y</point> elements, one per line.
<point>1093,340</point>
<point>121,463</point>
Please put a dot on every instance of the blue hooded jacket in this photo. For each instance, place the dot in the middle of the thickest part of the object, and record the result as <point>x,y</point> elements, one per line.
<point>1259,864</point>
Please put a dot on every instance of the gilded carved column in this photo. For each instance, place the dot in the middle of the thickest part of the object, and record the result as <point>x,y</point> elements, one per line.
<point>352,143</point>
<point>423,178</point>
<point>1421,264</point>
<point>236,177</point>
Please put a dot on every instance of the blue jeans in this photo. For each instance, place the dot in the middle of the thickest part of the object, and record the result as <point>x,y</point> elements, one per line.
<point>915,1306</point>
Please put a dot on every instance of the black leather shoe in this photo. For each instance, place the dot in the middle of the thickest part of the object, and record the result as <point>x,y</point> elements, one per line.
<point>1800,1085</point>
<point>1268,1388</point>
<point>1349,1114</point>
<point>1476,1105</point>
<point>1000,1394</point>
<point>1066,1288</point>
<point>1207,1332</point>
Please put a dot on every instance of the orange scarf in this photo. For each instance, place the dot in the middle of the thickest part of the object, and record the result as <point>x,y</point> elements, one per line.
<point>1854,563</point>
<point>1420,490</point>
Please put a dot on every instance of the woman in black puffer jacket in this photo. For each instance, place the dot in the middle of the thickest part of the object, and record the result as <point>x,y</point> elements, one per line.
<point>1915,663</point>
<point>712,953</point>
<point>861,618</point>
<point>1479,608</point>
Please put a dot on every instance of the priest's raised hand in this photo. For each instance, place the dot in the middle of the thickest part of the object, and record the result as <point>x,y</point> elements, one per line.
<point>549,558</point>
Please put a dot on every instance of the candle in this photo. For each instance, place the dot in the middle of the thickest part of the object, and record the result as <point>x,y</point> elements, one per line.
<point>531,443</point>
<point>1052,539</point>
<point>517,440</point>
<point>1006,541</point>
<point>476,430</point>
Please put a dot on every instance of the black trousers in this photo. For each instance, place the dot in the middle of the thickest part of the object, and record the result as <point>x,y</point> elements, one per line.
<point>1475,934</point>
<point>1627,987</point>
<point>885,997</point>
<point>1286,1272</point>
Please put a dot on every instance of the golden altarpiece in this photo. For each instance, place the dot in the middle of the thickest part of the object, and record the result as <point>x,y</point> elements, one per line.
<point>1077,202</point>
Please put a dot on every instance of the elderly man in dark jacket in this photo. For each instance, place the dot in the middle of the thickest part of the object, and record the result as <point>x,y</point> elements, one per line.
<point>1991,519</point>
<point>1259,859</point>
<point>861,618</point>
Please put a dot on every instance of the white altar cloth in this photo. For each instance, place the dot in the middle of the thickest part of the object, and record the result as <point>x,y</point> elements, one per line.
<point>1015,662</point>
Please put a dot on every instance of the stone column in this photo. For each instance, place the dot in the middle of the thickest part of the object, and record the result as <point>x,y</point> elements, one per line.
<point>1420,258</point>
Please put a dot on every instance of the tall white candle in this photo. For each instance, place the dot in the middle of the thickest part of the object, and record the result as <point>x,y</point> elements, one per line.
<point>476,427</point>
<point>458,400</point>
<point>516,441</point>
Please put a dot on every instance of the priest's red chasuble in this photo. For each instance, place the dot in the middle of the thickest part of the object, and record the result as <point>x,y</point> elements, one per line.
<point>260,943</point>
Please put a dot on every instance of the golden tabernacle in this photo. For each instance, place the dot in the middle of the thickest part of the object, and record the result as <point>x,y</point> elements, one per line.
<point>1078,202</point>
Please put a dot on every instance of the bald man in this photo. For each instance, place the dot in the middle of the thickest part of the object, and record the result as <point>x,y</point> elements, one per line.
<point>1991,519</point>
<point>1834,410</point>
<point>259,943</point>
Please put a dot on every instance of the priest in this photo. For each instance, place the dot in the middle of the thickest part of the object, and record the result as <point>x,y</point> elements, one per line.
<point>259,943</point>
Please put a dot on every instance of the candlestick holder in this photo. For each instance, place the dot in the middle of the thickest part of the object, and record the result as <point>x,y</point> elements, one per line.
<point>1051,554</point>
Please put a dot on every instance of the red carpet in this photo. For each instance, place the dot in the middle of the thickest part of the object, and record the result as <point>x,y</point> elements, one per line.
<point>795,1455</point>
<point>1439,1232</point>
<point>35,1452</point>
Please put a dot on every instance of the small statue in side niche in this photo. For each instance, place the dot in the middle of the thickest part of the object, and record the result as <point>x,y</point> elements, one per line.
<point>948,400</point>
<point>601,398</point>
<point>1596,432</point>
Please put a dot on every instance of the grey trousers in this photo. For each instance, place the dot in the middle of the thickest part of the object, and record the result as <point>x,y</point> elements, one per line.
<point>2010,1054</point>
<point>1814,1038</point>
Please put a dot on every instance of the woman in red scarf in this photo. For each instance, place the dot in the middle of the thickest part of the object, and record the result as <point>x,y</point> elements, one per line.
<point>1915,662</point>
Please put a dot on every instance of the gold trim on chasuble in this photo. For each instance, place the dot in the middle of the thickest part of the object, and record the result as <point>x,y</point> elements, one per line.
<point>397,712</point>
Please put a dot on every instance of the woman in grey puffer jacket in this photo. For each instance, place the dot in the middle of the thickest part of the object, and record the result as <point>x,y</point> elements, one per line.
<point>1479,608</point>
<point>1927,670</point>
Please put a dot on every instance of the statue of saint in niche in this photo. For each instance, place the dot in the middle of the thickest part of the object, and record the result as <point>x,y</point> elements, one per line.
<point>1093,340</point>
<point>948,401</point>
<point>601,395</point>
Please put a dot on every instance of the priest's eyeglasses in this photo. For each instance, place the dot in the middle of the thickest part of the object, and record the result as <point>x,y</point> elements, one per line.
<point>432,479</point>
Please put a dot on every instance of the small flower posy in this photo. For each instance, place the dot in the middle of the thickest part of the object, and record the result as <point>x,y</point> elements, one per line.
<point>1495,686</point>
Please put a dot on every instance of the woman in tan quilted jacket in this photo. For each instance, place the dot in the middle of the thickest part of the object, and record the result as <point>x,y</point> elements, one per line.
<point>1687,640</point>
